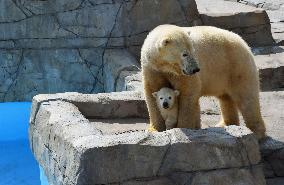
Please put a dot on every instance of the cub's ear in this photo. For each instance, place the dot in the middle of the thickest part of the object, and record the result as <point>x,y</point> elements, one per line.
<point>155,94</point>
<point>176,92</point>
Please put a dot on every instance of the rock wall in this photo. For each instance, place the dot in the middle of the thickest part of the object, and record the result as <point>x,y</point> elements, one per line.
<point>251,23</point>
<point>77,45</point>
<point>93,46</point>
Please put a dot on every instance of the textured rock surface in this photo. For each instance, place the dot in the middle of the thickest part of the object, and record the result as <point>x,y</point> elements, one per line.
<point>249,22</point>
<point>269,61</point>
<point>275,181</point>
<point>271,68</point>
<point>275,11</point>
<point>272,149</point>
<point>77,45</point>
<point>93,46</point>
<point>74,151</point>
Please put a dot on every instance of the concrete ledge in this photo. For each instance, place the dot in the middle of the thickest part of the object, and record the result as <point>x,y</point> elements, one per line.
<point>72,150</point>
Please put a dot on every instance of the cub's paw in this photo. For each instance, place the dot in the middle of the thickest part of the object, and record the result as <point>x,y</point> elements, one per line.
<point>220,124</point>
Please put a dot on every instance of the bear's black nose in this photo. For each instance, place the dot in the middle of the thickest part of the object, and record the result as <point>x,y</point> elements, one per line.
<point>196,70</point>
<point>165,105</point>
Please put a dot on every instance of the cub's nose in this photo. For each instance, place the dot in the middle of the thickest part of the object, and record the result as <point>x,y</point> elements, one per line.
<point>165,105</point>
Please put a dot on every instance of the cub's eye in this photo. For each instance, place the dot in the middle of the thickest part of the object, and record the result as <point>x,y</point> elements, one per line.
<point>170,97</point>
<point>161,98</point>
<point>185,55</point>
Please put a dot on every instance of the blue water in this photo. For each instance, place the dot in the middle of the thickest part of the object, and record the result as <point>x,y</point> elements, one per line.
<point>17,164</point>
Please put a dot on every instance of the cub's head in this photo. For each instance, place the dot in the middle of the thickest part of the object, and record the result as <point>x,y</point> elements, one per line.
<point>175,52</point>
<point>166,98</point>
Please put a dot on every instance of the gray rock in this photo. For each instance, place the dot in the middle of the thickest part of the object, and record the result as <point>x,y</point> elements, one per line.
<point>73,150</point>
<point>157,181</point>
<point>29,72</point>
<point>59,43</point>
<point>41,35</point>
<point>41,26</point>
<point>10,12</point>
<point>269,61</point>
<point>271,148</point>
<point>129,81</point>
<point>54,37</point>
<point>116,62</point>
<point>230,176</point>
<point>274,9</point>
<point>275,181</point>
<point>250,23</point>
<point>271,70</point>
<point>272,157</point>
<point>99,106</point>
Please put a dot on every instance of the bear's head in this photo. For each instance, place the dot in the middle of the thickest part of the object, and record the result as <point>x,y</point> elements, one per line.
<point>175,53</point>
<point>166,98</point>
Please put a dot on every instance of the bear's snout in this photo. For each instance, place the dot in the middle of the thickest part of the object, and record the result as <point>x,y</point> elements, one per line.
<point>165,105</point>
<point>196,70</point>
<point>191,72</point>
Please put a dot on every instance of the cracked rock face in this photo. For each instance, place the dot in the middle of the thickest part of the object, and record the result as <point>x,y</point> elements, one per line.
<point>92,46</point>
<point>78,45</point>
<point>251,23</point>
<point>68,137</point>
<point>274,9</point>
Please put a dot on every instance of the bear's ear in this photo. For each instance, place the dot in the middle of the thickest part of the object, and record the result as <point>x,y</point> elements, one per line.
<point>155,94</point>
<point>165,42</point>
<point>176,92</point>
<point>188,32</point>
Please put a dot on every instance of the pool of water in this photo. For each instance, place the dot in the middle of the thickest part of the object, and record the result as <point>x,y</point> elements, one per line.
<point>17,164</point>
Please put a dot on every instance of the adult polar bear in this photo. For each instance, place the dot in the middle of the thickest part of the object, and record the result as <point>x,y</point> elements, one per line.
<point>227,71</point>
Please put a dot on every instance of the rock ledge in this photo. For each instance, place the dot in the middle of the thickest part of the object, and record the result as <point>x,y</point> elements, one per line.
<point>73,150</point>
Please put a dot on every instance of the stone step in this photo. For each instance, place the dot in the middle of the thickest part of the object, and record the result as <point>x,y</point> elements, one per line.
<point>251,23</point>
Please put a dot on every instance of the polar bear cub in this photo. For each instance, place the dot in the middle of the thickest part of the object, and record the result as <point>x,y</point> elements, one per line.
<point>167,101</point>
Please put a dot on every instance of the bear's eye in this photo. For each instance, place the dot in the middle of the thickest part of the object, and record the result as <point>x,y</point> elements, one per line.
<point>185,55</point>
<point>161,98</point>
<point>170,97</point>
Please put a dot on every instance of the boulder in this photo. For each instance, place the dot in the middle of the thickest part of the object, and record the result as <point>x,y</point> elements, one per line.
<point>274,9</point>
<point>62,45</point>
<point>117,62</point>
<point>249,22</point>
<point>271,148</point>
<point>72,148</point>
<point>271,68</point>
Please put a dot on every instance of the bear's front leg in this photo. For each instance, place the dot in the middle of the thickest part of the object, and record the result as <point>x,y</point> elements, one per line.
<point>189,109</point>
<point>189,112</point>
<point>153,81</point>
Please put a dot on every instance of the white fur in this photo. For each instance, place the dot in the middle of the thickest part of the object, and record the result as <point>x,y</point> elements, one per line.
<point>171,113</point>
